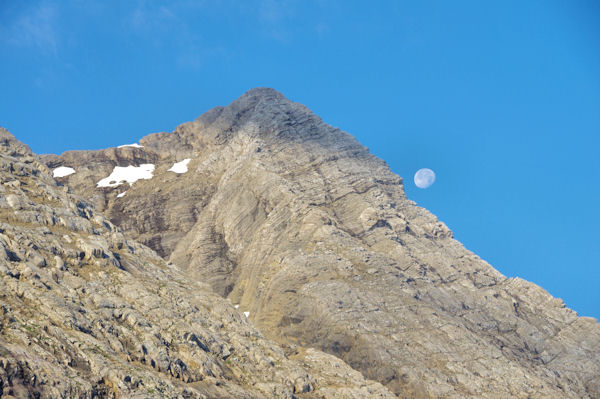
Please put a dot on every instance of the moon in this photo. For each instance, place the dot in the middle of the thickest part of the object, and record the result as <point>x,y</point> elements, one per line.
<point>424,178</point>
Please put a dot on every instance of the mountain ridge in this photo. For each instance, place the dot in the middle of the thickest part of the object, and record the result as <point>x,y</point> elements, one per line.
<point>297,223</point>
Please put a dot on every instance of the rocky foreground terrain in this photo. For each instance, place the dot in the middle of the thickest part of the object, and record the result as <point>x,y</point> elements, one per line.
<point>259,252</point>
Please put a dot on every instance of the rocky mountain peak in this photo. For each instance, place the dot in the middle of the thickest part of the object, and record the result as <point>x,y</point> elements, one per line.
<point>297,224</point>
<point>261,94</point>
<point>259,102</point>
<point>267,117</point>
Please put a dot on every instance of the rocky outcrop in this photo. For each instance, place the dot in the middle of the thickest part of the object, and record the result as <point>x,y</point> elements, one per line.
<point>314,237</point>
<point>87,313</point>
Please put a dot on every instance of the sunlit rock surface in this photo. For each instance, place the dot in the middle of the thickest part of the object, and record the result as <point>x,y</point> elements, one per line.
<point>297,223</point>
<point>87,313</point>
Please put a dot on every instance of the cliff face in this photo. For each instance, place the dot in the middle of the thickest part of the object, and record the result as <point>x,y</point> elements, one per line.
<point>86,312</point>
<point>297,223</point>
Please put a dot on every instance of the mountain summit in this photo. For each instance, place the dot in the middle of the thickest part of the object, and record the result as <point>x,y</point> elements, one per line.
<point>299,226</point>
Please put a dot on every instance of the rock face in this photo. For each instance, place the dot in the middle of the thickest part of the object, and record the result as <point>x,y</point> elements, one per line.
<point>88,313</point>
<point>314,237</point>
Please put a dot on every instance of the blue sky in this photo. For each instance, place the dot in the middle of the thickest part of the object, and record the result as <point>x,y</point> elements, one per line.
<point>500,98</point>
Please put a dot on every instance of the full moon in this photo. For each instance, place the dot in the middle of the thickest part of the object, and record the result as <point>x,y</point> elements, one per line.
<point>424,178</point>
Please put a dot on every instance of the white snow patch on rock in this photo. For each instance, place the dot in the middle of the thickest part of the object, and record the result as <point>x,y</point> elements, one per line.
<point>180,167</point>
<point>129,174</point>
<point>247,314</point>
<point>121,195</point>
<point>63,171</point>
<point>135,145</point>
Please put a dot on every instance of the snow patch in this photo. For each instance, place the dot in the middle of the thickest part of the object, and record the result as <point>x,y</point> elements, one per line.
<point>247,314</point>
<point>236,306</point>
<point>63,171</point>
<point>134,145</point>
<point>129,174</point>
<point>180,167</point>
<point>121,195</point>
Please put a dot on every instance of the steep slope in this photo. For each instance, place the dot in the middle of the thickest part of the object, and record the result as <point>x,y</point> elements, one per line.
<point>314,236</point>
<point>85,312</point>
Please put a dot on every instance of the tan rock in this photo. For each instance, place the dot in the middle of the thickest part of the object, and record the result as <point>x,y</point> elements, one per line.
<point>135,328</point>
<point>295,221</point>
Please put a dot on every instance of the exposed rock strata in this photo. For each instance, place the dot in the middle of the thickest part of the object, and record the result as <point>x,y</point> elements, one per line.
<point>86,312</point>
<point>314,236</point>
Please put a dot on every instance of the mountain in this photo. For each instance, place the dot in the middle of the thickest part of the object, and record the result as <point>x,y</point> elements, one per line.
<point>311,235</point>
<point>87,313</point>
